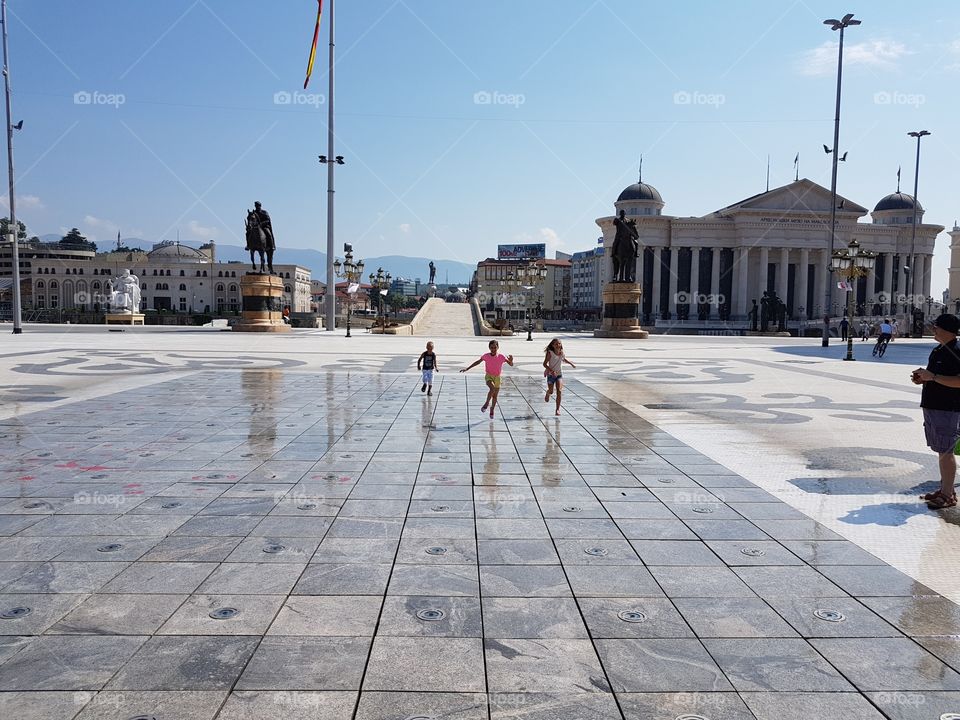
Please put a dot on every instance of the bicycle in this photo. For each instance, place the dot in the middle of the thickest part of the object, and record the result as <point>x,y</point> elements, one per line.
<point>881,346</point>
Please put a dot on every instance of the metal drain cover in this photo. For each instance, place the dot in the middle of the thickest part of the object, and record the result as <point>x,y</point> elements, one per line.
<point>666,480</point>
<point>440,508</point>
<point>632,616</point>
<point>306,506</point>
<point>144,717</point>
<point>836,616</point>
<point>436,550</point>
<point>689,716</point>
<point>596,551</point>
<point>419,717</point>
<point>752,552</point>
<point>274,548</point>
<point>224,613</point>
<point>572,508</point>
<point>430,614</point>
<point>950,716</point>
<point>109,547</point>
<point>36,505</point>
<point>15,612</point>
<point>169,505</point>
<point>99,476</point>
<point>703,509</point>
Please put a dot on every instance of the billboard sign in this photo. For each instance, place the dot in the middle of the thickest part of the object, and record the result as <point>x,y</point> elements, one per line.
<point>536,251</point>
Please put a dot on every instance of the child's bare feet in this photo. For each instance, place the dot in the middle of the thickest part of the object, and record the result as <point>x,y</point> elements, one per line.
<point>558,412</point>
<point>491,412</point>
<point>546,398</point>
<point>484,408</point>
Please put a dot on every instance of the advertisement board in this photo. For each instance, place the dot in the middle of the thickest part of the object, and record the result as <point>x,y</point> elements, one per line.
<point>536,251</point>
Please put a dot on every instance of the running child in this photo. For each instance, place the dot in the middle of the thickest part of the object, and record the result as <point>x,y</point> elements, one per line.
<point>553,369</point>
<point>493,364</point>
<point>428,363</point>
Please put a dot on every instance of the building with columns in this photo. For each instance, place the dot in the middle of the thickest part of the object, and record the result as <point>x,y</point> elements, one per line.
<point>712,267</point>
<point>952,300</point>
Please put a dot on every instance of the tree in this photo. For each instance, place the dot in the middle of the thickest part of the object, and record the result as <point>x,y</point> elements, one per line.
<point>74,239</point>
<point>396,301</point>
<point>5,229</point>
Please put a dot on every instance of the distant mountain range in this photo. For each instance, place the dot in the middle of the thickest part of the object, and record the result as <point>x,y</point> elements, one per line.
<point>399,266</point>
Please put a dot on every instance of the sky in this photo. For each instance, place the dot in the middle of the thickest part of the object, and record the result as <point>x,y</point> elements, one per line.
<point>465,124</point>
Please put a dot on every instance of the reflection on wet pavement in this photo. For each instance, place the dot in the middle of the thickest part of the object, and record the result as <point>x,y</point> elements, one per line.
<point>262,543</point>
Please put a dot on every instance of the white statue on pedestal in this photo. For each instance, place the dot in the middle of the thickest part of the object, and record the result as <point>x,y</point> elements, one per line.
<point>125,293</point>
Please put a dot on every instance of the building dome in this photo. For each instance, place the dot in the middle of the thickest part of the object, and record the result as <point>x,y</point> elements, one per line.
<point>175,252</point>
<point>897,201</point>
<point>640,191</point>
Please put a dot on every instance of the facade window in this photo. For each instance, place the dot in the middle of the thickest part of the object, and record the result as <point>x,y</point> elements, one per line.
<point>204,273</point>
<point>183,304</point>
<point>41,302</point>
<point>181,273</point>
<point>220,273</point>
<point>233,273</point>
<point>219,287</point>
<point>183,288</point>
<point>233,288</point>
<point>198,273</point>
<point>39,284</point>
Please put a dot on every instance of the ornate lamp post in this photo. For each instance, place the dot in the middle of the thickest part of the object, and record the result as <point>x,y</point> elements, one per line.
<point>380,282</point>
<point>536,274</point>
<point>349,271</point>
<point>852,263</point>
<point>841,25</point>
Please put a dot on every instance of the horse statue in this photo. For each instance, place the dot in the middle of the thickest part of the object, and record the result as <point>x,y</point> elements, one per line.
<point>625,249</point>
<point>259,236</point>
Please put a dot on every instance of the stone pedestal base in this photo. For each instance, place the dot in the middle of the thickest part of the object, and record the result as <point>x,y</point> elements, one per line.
<point>124,318</point>
<point>621,312</point>
<point>262,304</point>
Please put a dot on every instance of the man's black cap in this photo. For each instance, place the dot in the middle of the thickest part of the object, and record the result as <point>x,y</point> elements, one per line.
<point>948,322</point>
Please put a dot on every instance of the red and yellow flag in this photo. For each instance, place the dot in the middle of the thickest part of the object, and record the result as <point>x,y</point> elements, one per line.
<point>313,48</point>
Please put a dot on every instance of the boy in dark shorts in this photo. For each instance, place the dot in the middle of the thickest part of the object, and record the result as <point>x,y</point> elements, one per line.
<point>940,401</point>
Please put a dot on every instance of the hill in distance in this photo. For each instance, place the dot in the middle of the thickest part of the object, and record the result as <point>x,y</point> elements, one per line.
<point>399,266</point>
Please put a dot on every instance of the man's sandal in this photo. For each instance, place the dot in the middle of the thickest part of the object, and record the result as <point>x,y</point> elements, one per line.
<point>933,495</point>
<point>942,502</point>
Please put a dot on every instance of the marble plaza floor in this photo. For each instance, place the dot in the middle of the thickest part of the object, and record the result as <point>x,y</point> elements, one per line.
<point>209,525</point>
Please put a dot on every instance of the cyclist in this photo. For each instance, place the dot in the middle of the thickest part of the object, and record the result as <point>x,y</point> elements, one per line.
<point>884,333</point>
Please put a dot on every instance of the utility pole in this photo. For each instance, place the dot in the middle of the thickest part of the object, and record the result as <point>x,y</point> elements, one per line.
<point>12,227</point>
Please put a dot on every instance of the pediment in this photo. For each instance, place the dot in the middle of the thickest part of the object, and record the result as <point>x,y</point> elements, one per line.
<point>802,197</point>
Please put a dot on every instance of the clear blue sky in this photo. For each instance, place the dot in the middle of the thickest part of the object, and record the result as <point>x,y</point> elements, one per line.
<point>432,172</point>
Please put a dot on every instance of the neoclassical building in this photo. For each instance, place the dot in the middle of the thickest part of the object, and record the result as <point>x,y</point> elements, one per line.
<point>712,267</point>
<point>173,277</point>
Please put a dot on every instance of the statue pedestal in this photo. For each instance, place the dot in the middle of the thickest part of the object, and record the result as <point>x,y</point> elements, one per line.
<point>124,318</point>
<point>621,312</point>
<point>262,304</point>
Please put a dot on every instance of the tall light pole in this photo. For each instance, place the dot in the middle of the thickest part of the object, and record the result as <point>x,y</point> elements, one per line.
<point>912,277</point>
<point>841,25</point>
<point>331,276</point>
<point>12,227</point>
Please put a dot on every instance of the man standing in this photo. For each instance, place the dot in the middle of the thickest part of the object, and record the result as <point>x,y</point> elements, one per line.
<point>844,328</point>
<point>940,401</point>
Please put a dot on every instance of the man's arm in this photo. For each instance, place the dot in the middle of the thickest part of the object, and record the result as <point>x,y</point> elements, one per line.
<point>952,381</point>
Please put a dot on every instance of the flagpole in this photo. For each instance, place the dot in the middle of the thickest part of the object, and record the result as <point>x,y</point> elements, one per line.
<point>12,227</point>
<point>331,278</point>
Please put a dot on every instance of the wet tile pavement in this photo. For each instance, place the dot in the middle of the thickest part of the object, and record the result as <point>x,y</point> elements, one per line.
<point>261,544</point>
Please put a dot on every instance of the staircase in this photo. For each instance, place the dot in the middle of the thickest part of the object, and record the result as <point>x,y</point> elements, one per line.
<point>442,319</point>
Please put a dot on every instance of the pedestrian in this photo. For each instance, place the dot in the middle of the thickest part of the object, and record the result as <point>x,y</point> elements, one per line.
<point>864,331</point>
<point>940,400</point>
<point>493,364</point>
<point>427,362</point>
<point>895,330</point>
<point>844,328</point>
<point>553,370</point>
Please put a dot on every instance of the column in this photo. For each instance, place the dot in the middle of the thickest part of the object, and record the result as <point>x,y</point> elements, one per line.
<point>783,281</point>
<point>902,281</point>
<point>674,266</point>
<point>927,274</point>
<point>821,276</point>
<point>741,265</point>
<point>657,270</point>
<point>694,282</point>
<point>887,307</point>
<point>921,292</point>
<point>715,281</point>
<point>764,274</point>
<point>639,270</point>
<point>800,297</point>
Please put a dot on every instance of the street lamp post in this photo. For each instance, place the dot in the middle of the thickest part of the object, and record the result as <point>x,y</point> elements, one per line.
<point>912,277</point>
<point>841,25</point>
<point>349,271</point>
<point>12,226</point>
<point>852,263</point>
<point>380,282</point>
